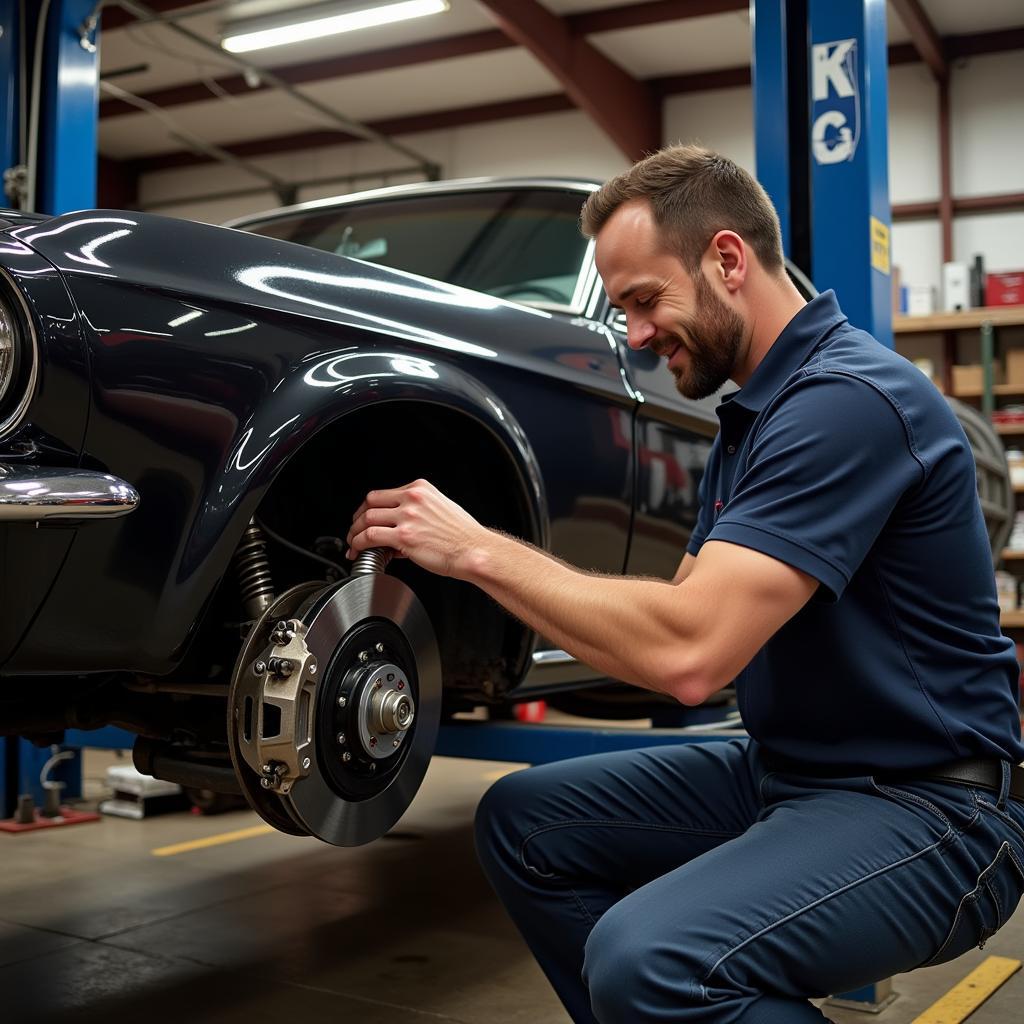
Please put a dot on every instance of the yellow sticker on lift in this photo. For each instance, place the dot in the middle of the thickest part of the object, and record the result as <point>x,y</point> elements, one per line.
<point>963,999</point>
<point>879,245</point>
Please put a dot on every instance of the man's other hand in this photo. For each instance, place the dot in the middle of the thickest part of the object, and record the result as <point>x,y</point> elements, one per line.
<point>418,522</point>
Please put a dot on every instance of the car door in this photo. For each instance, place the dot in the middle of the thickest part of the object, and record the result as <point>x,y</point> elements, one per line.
<point>673,436</point>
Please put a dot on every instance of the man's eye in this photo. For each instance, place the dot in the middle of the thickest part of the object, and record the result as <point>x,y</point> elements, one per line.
<point>643,303</point>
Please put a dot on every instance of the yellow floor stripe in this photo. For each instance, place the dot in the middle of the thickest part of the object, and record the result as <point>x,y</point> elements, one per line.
<point>224,837</point>
<point>963,999</point>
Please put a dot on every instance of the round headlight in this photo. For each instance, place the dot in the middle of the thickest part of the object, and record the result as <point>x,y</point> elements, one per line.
<point>17,356</point>
<point>7,351</point>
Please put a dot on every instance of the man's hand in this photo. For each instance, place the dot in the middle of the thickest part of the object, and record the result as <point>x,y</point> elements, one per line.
<point>420,523</point>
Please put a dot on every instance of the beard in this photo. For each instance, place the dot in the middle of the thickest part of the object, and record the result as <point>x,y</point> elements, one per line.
<point>712,339</point>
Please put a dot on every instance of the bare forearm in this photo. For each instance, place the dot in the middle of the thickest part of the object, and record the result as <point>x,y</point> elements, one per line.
<point>628,628</point>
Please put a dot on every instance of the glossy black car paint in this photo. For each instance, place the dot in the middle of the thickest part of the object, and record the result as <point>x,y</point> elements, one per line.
<point>195,362</point>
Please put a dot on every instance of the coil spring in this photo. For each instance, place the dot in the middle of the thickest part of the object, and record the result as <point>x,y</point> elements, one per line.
<point>253,568</point>
<point>372,560</point>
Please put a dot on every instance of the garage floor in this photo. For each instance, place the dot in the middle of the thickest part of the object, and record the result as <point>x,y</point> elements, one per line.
<point>93,926</point>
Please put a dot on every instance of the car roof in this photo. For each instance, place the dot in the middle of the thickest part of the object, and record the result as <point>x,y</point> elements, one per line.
<point>581,185</point>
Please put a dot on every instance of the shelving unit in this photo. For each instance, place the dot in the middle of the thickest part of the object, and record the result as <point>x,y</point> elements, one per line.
<point>985,321</point>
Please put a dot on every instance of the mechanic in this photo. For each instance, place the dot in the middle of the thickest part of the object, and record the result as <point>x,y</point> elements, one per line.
<point>840,573</point>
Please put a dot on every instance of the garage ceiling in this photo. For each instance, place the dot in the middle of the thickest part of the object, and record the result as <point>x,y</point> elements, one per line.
<point>442,63</point>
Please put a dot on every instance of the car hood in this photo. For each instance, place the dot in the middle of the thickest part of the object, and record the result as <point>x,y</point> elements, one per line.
<point>205,263</point>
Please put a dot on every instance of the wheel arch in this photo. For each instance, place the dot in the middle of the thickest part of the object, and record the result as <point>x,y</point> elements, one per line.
<point>383,432</point>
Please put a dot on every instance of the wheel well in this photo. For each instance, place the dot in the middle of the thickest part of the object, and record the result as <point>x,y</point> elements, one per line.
<point>484,651</point>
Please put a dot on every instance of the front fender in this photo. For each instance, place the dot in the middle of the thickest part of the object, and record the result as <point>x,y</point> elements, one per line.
<point>151,576</point>
<point>321,391</point>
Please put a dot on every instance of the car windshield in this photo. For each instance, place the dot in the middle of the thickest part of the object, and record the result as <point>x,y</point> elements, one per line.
<point>519,244</point>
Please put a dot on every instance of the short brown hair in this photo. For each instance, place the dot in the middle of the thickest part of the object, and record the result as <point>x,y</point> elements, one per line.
<point>694,193</point>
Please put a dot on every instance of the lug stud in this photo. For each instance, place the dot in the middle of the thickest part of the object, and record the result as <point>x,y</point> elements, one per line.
<point>265,783</point>
<point>260,667</point>
<point>377,684</point>
<point>373,766</point>
<point>342,701</point>
<point>379,648</point>
<point>341,739</point>
<point>364,657</point>
<point>396,742</point>
<point>312,668</point>
<point>306,762</point>
<point>346,757</point>
<point>401,684</point>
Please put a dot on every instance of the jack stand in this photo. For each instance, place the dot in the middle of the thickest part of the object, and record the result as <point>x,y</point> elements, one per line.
<point>869,999</point>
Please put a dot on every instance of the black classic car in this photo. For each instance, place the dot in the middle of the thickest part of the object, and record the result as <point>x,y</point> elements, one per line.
<point>189,415</point>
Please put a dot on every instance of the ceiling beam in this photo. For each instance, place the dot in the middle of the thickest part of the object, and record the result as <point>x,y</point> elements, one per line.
<point>434,121</point>
<point>621,105</point>
<point>117,17</point>
<point>923,35</point>
<point>315,71</point>
<point>652,12</point>
<point>980,43</point>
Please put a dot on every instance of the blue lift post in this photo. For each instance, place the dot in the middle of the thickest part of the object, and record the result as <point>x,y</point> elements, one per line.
<point>66,181</point>
<point>69,112</point>
<point>820,76</point>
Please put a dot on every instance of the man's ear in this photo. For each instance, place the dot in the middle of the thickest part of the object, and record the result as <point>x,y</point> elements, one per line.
<point>728,255</point>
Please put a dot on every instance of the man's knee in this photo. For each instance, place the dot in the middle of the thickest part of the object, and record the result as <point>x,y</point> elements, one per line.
<point>631,974</point>
<point>499,825</point>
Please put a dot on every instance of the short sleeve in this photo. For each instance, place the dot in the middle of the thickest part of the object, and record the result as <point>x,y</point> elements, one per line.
<point>705,514</point>
<point>828,466</point>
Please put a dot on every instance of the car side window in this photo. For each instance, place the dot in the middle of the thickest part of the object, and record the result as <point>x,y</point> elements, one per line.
<point>520,244</point>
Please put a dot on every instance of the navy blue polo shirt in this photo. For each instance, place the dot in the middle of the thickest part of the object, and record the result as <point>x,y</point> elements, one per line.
<point>841,459</point>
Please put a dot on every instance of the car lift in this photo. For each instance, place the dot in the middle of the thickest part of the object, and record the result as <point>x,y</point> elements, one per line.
<point>820,113</point>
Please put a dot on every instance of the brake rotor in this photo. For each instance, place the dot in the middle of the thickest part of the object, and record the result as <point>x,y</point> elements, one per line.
<point>334,709</point>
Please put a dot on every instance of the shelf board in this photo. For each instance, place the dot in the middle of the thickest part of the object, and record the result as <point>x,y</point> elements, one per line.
<point>1009,429</point>
<point>1006,390</point>
<point>998,316</point>
<point>1012,620</point>
<point>1013,555</point>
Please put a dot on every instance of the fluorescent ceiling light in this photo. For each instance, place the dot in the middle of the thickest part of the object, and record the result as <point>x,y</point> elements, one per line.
<point>316,22</point>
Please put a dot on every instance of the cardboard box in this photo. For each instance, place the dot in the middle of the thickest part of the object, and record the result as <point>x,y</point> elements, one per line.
<point>970,377</point>
<point>1015,367</point>
<point>967,378</point>
<point>1005,289</point>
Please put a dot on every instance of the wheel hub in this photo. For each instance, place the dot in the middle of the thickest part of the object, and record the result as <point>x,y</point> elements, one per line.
<point>336,712</point>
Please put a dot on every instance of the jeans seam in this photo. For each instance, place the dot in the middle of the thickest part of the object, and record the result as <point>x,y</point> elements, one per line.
<point>822,899</point>
<point>971,898</point>
<point>583,907</point>
<point>1005,818</point>
<point>924,802</point>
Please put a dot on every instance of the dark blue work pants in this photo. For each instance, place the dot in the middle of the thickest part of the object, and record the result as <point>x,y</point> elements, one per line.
<point>690,884</point>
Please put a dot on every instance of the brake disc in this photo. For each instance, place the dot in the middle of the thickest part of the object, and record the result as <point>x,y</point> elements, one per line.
<point>335,708</point>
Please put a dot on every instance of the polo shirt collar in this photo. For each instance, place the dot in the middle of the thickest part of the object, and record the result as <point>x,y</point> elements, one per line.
<point>790,350</point>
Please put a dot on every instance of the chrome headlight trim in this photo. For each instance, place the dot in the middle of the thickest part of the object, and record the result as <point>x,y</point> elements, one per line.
<point>26,341</point>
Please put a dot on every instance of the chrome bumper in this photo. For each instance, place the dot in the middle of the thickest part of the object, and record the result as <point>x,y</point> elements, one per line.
<point>33,493</point>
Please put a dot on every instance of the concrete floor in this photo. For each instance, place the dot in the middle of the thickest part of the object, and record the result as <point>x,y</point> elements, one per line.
<point>93,926</point>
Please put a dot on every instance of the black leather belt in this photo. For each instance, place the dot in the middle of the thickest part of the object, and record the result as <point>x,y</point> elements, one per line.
<point>973,771</point>
<point>984,773</point>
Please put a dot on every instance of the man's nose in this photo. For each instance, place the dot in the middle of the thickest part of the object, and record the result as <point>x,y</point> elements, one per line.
<point>639,333</point>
